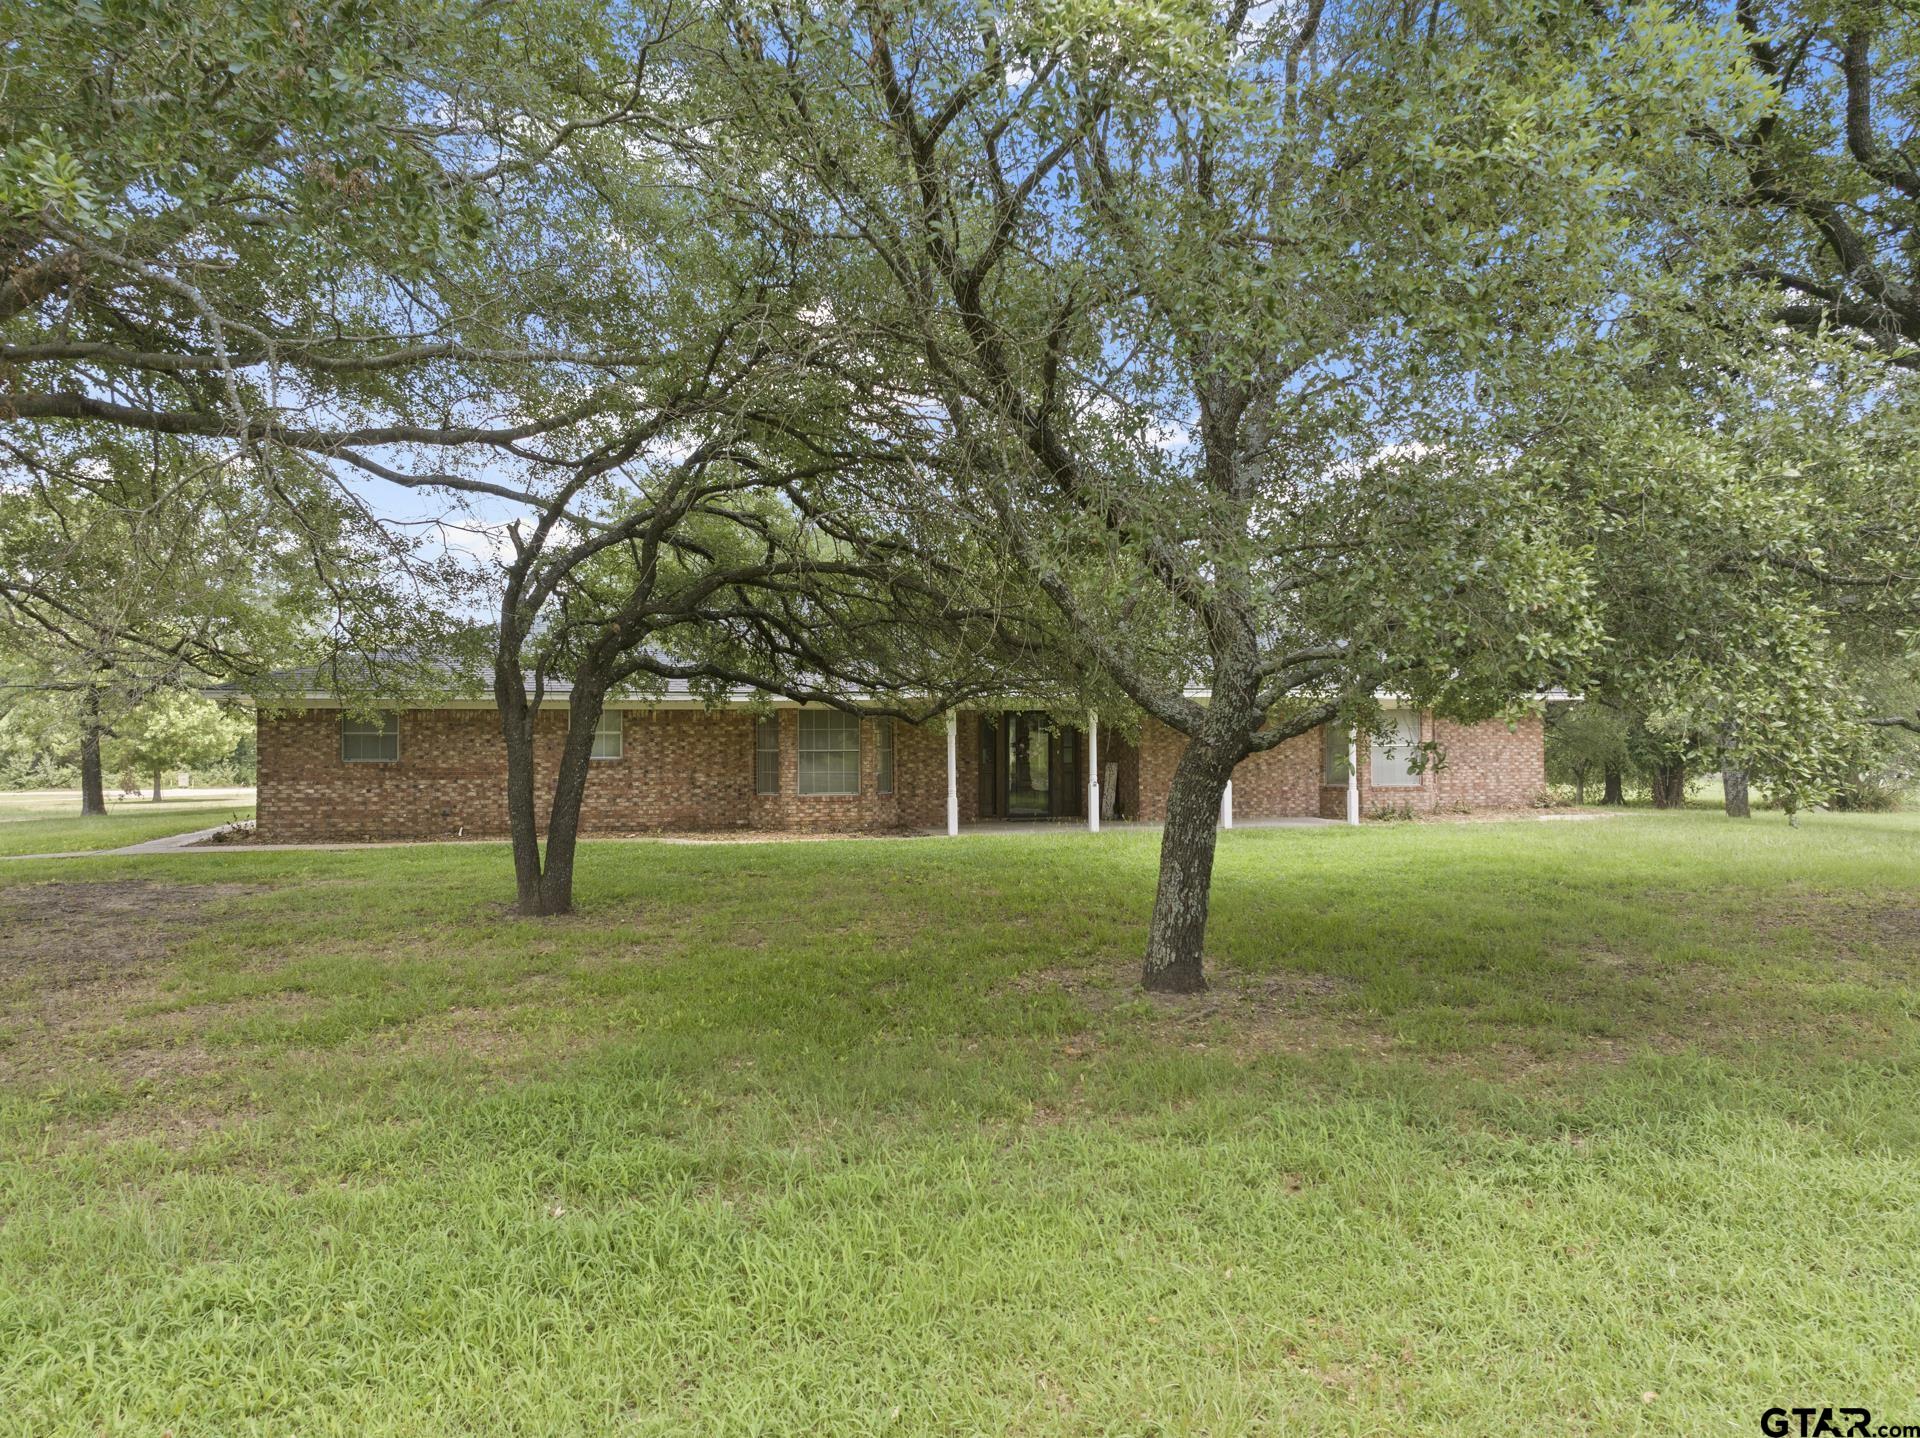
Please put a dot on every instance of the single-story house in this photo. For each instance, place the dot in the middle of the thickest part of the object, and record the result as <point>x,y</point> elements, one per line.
<point>674,763</point>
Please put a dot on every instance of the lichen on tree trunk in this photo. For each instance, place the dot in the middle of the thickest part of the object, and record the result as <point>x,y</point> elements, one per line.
<point>1734,781</point>
<point>1176,935</point>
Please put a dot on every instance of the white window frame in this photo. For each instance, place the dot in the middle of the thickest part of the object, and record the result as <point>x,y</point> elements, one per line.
<point>883,755</point>
<point>842,724</point>
<point>762,728</point>
<point>604,731</point>
<point>385,726</point>
<point>1396,751</point>
<point>1333,757</point>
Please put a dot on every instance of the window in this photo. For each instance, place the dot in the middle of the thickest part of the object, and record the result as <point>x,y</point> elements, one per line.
<point>607,735</point>
<point>1333,757</point>
<point>1395,748</point>
<point>829,752</point>
<point>883,756</point>
<point>370,741</point>
<point>766,755</point>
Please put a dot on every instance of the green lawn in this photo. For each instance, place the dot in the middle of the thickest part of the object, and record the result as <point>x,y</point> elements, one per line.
<point>1576,1127</point>
<point>48,822</point>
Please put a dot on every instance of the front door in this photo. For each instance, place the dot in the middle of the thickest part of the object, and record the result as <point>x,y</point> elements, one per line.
<point>1029,767</point>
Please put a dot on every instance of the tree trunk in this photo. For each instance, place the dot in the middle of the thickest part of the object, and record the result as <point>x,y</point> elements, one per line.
<point>569,793</point>
<point>1669,785</point>
<point>156,786</point>
<point>1734,781</point>
<point>93,784</point>
<point>1614,791</point>
<point>1176,937</point>
<point>516,728</point>
<point>1580,786</point>
<point>543,885</point>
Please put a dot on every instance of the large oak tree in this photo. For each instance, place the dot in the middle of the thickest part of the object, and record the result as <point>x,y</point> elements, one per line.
<point>1207,314</point>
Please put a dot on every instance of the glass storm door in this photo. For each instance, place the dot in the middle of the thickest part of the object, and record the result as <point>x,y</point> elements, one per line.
<point>1029,766</point>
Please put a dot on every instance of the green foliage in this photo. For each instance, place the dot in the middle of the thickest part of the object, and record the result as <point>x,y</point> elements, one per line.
<point>303,242</point>
<point>1231,412</point>
<point>174,730</point>
<point>240,125</point>
<point>1583,741</point>
<point>1751,512</point>
<point>1831,201</point>
<point>168,729</point>
<point>39,743</point>
<point>1874,793</point>
<point>131,573</point>
<point>1889,776</point>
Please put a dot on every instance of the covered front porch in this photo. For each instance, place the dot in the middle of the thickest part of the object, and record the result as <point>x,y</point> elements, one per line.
<point>1023,767</point>
<point>1031,768</point>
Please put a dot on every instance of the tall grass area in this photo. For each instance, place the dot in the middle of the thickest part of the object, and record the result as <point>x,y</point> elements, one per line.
<point>1565,1127</point>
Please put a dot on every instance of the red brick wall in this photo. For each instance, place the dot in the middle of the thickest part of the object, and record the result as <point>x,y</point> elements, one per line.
<point>1482,766</point>
<point>1418,798</point>
<point>679,769</point>
<point>1281,783</point>
<point>448,778</point>
<point>693,769</point>
<point>919,798</point>
<point>1491,766</point>
<point>1487,766</point>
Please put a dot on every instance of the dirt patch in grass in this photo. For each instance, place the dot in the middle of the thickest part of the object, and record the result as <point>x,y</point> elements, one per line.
<point>75,957</point>
<point>1253,1014</point>
<point>1248,1016</point>
<point>1245,1014</point>
<point>1898,926</point>
<point>66,933</point>
<point>1849,924</point>
<point>1844,920</point>
<point>162,1121</point>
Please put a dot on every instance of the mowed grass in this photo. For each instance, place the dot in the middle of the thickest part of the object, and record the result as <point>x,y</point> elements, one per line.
<point>48,821</point>
<point>1603,1127</point>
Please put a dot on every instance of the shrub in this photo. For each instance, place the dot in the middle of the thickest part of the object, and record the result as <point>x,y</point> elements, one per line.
<point>1868,794</point>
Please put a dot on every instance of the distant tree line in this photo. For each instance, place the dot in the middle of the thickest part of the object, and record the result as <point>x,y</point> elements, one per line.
<point>1597,754</point>
<point>173,731</point>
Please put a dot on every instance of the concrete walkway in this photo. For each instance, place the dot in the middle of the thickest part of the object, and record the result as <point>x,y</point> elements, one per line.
<point>1068,826</point>
<point>165,844</point>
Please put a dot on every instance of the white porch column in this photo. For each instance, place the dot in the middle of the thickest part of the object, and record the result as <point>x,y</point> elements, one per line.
<point>1353,776</point>
<point>1093,772</point>
<point>1226,806</point>
<point>953,775</point>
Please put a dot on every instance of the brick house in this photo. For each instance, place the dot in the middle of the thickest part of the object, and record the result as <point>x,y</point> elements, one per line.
<point>675,764</point>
